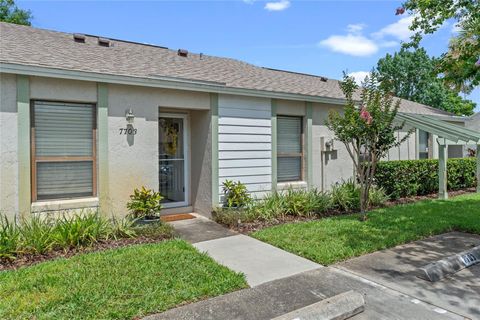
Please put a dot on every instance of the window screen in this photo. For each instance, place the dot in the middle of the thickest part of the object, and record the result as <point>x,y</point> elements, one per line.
<point>289,148</point>
<point>63,145</point>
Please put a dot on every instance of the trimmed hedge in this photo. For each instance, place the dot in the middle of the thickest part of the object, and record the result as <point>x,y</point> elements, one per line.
<point>405,178</point>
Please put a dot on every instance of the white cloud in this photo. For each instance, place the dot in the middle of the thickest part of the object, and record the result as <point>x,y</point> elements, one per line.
<point>359,76</point>
<point>388,44</point>
<point>355,28</point>
<point>352,44</point>
<point>397,29</point>
<point>277,6</point>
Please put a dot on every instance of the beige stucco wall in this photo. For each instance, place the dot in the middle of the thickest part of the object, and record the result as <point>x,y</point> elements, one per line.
<point>329,167</point>
<point>133,159</point>
<point>201,161</point>
<point>8,146</point>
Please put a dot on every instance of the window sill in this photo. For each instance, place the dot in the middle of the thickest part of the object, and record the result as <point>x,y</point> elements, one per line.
<point>293,184</point>
<point>66,204</point>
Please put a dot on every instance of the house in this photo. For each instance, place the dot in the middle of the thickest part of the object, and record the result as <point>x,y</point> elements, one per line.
<point>84,120</point>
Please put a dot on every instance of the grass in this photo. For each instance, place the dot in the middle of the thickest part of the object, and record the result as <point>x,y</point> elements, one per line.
<point>114,284</point>
<point>330,240</point>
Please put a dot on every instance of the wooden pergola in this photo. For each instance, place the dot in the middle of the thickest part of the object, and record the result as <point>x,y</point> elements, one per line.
<point>447,135</point>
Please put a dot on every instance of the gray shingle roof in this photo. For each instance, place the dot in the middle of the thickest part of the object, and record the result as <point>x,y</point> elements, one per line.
<point>30,46</point>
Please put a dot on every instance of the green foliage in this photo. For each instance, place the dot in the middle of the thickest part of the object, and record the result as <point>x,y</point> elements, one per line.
<point>39,235</point>
<point>298,203</point>
<point>412,75</point>
<point>276,205</point>
<point>334,239</point>
<point>366,128</point>
<point>236,194</point>
<point>126,283</point>
<point>458,64</point>
<point>144,203</point>
<point>9,12</point>
<point>301,202</point>
<point>9,238</point>
<point>80,230</point>
<point>420,177</point>
<point>345,196</point>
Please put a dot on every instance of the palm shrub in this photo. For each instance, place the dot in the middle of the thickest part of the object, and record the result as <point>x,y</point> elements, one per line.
<point>145,203</point>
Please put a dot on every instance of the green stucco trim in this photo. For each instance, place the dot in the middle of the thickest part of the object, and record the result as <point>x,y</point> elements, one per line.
<point>215,182</point>
<point>478,168</point>
<point>24,179</point>
<point>442,171</point>
<point>274,143</point>
<point>102,146</point>
<point>417,143</point>
<point>309,143</point>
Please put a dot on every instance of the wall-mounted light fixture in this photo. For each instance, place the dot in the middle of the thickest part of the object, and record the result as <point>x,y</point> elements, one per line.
<point>129,116</point>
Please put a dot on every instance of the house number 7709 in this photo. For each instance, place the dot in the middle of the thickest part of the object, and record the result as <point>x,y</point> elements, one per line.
<point>128,131</point>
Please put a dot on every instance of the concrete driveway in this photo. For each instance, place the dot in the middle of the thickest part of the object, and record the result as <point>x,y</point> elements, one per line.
<point>396,269</point>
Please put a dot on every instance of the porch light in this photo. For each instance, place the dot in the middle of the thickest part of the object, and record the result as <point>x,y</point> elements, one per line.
<point>129,116</point>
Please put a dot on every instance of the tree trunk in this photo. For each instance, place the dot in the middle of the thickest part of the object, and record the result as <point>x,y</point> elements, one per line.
<point>363,203</point>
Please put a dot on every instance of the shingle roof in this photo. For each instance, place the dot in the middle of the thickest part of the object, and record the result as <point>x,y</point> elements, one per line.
<point>37,47</point>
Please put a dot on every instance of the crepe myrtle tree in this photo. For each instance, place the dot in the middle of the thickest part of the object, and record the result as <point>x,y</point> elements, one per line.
<point>367,128</point>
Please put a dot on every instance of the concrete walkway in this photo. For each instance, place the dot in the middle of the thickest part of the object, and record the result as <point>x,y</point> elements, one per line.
<point>260,262</point>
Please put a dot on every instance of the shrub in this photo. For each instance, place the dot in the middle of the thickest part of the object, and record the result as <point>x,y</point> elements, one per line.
<point>236,194</point>
<point>144,203</point>
<point>346,196</point>
<point>305,202</point>
<point>81,230</point>
<point>405,178</point>
<point>9,238</point>
<point>37,235</point>
<point>276,205</point>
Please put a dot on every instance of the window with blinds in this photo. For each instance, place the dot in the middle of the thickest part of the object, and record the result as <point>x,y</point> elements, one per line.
<point>289,148</point>
<point>63,150</point>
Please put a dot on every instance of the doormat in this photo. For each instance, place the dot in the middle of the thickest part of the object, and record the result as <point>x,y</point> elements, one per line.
<point>177,217</point>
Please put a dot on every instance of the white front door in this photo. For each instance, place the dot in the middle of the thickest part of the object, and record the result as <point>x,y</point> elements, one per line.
<point>173,159</point>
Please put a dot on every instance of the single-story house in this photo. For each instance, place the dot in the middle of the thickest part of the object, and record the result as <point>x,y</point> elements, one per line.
<point>85,119</point>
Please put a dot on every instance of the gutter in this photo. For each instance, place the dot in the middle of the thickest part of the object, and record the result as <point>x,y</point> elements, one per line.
<point>158,82</point>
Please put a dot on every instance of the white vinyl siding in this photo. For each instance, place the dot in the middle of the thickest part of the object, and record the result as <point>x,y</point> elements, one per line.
<point>245,135</point>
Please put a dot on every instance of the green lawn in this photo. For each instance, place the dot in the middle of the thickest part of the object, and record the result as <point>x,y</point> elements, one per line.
<point>330,240</point>
<point>115,284</point>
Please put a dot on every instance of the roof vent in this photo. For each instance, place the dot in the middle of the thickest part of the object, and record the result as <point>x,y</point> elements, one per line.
<point>78,37</point>
<point>324,79</point>
<point>182,52</point>
<point>104,42</point>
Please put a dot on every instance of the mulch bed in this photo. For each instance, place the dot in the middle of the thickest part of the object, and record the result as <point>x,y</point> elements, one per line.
<point>250,227</point>
<point>25,260</point>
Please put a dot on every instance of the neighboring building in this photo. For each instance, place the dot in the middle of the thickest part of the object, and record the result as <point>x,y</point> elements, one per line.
<point>84,120</point>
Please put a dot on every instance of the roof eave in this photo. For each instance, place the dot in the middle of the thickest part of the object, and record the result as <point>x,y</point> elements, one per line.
<point>178,84</point>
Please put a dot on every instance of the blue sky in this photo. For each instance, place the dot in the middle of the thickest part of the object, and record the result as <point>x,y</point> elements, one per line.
<point>317,37</point>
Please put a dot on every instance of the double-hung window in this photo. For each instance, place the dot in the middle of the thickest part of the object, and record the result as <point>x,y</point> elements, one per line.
<point>289,148</point>
<point>63,150</point>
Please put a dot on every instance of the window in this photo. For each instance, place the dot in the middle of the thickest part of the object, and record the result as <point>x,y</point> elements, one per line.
<point>63,150</point>
<point>423,148</point>
<point>289,148</point>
